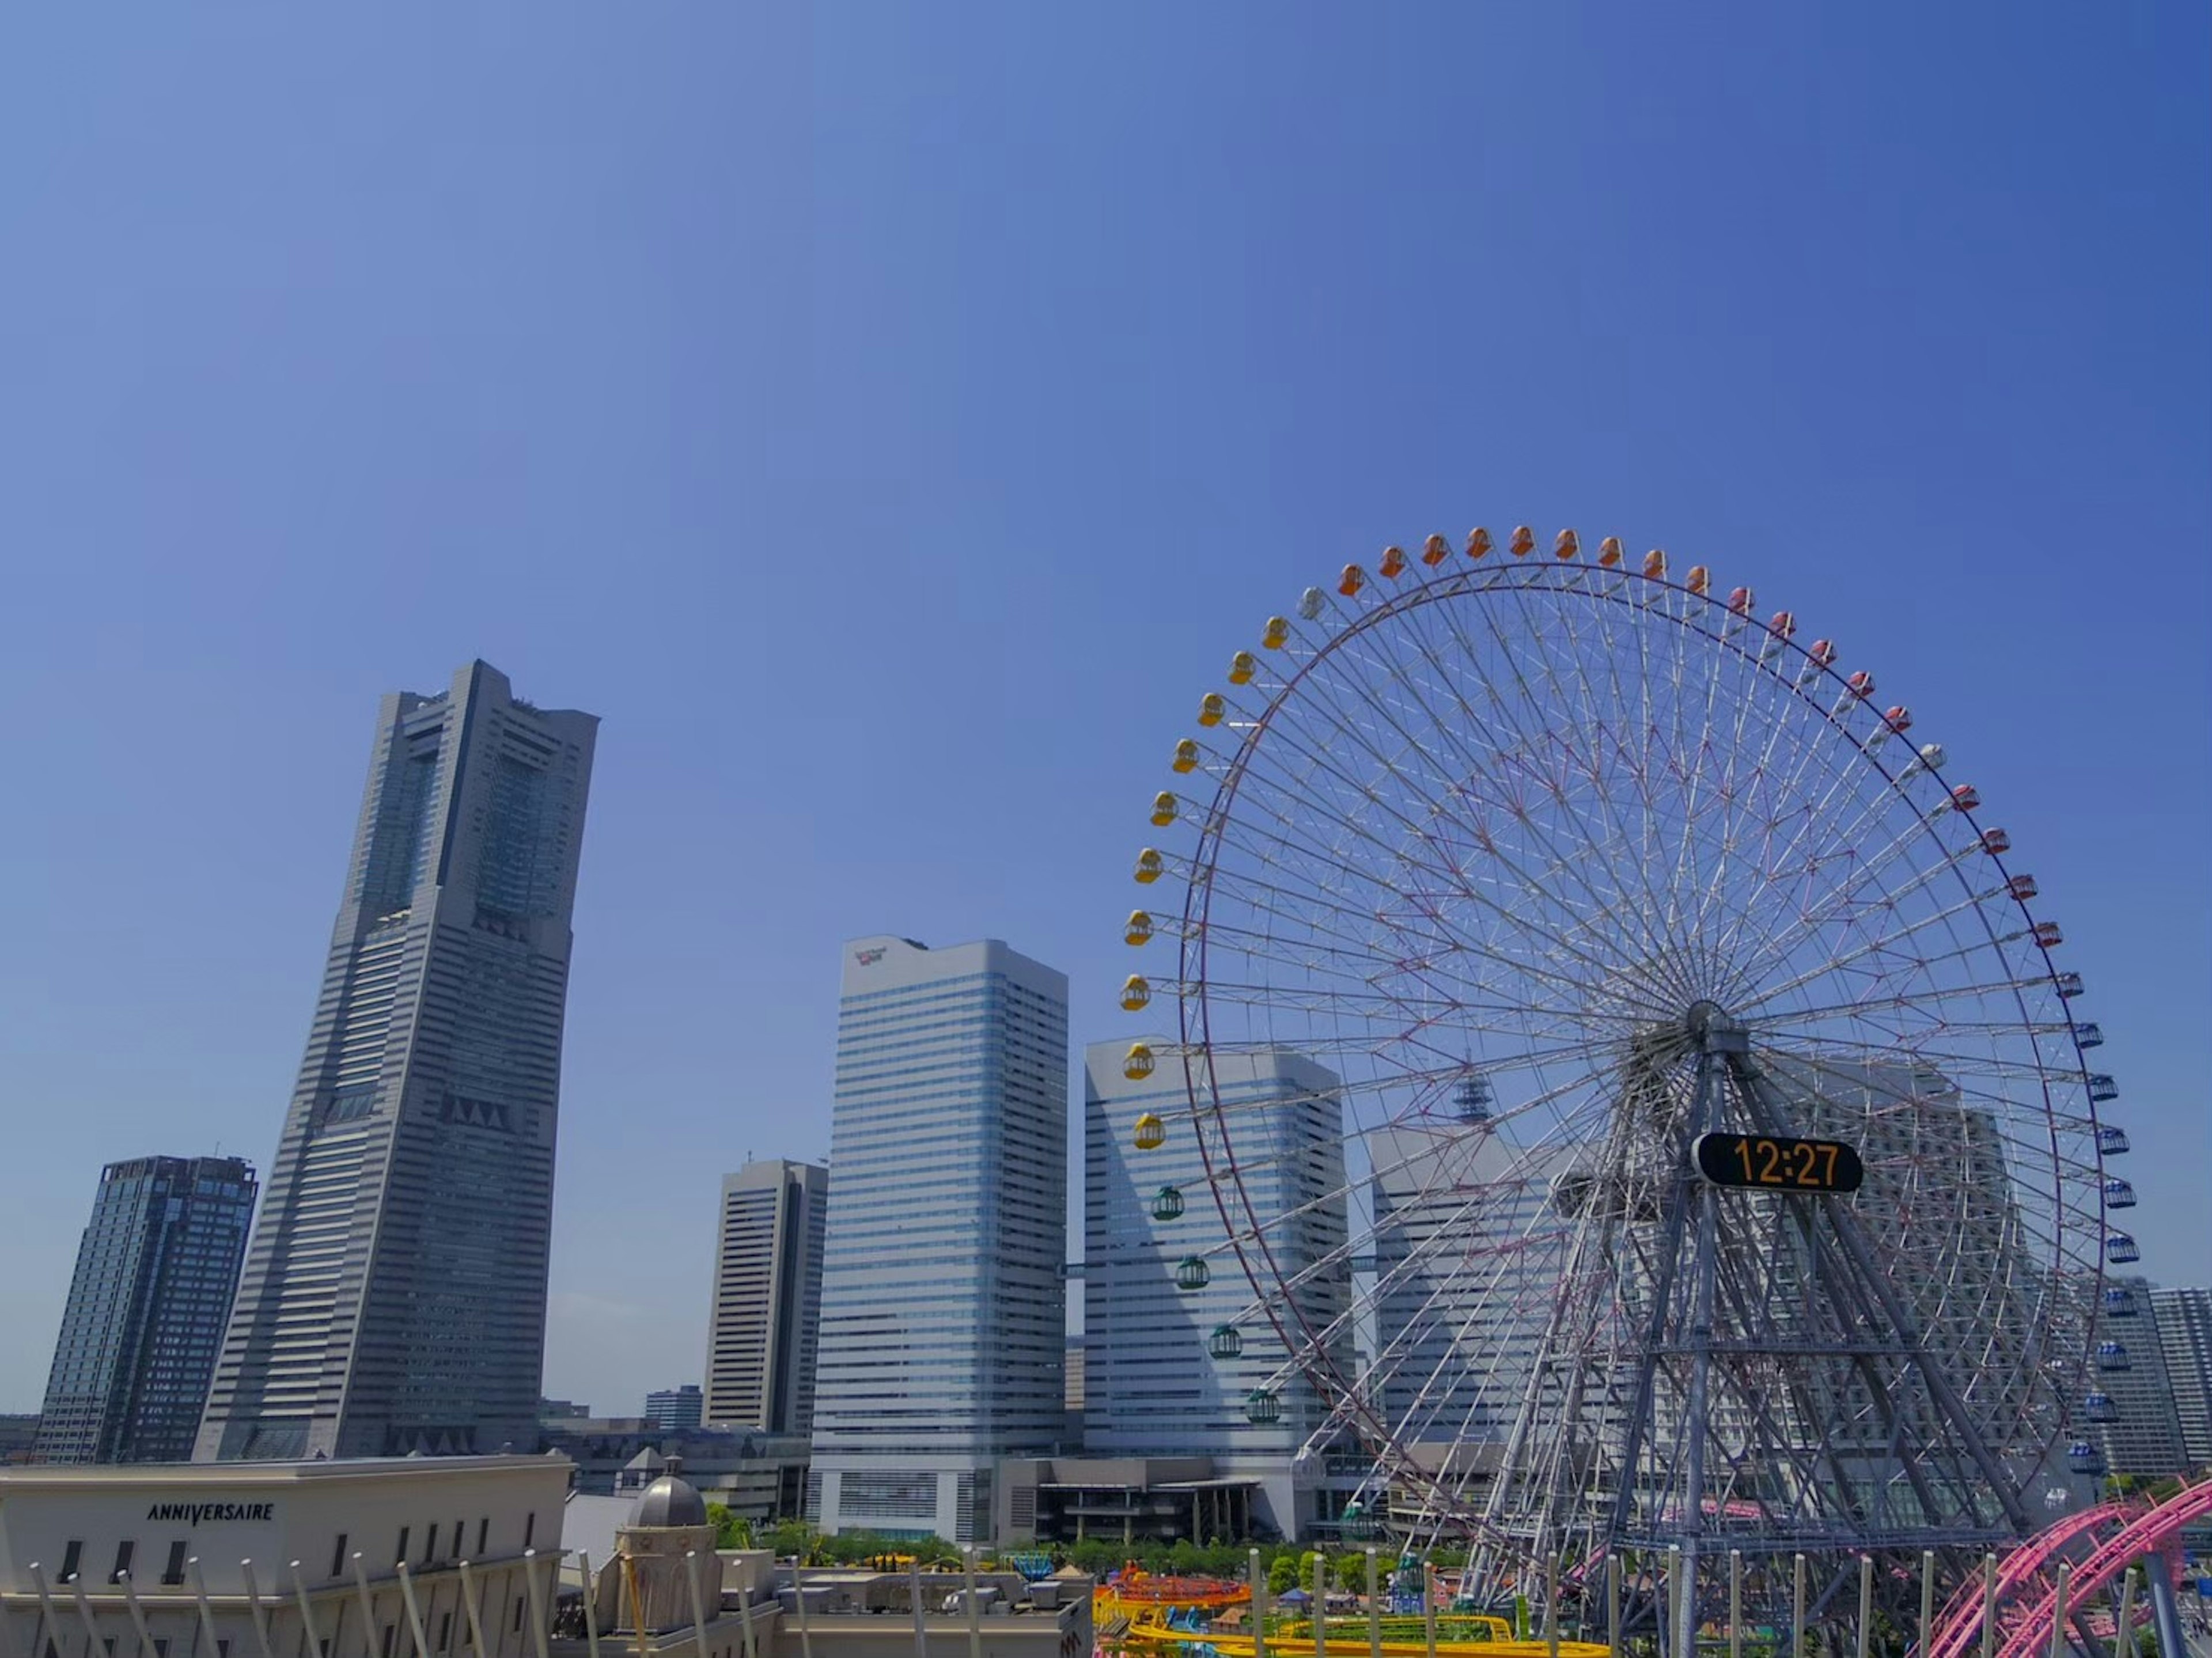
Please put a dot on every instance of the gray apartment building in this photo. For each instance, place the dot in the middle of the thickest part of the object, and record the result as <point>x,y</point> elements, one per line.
<point>155,1276</point>
<point>2182,1318</point>
<point>394,1295</point>
<point>765,1322</point>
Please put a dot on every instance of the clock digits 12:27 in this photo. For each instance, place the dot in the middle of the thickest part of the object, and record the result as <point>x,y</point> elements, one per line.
<point>1778,1163</point>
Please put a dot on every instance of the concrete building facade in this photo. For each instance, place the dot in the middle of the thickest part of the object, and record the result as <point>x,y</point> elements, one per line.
<point>155,1274</point>
<point>394,1295</point>
<point>943,1311</point>
<point>765,1325</point>
<point>1172,1370</point>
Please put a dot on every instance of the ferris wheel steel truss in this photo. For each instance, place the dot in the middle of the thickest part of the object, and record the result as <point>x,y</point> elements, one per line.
<point>1557,866</point>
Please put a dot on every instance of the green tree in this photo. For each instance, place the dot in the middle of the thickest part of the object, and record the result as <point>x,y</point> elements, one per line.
<point>1283,1573</point>
<point>1351,1573</point>
<point>731,1531</point>
<point>795,1538</point>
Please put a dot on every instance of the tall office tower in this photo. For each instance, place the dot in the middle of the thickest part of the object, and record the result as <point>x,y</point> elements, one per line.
<point>765,1322</point>
<point>1170,1370</point>
<point>154,1278</point>
<point>2143,1436</point>
<point>1468,1250</point>
<point>2183,1318</point>
<point>943,1314</point>
<point>394,1295</point>
<point>672,1410</point>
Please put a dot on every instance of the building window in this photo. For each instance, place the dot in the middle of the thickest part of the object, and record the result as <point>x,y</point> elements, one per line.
<point>337,1557</point>
<point>175,1571</point>
<point>123,1553</point>
<point>460,1535</point>
<point>483,1534</point>
<point>518,1615</point>
<point>161,1646</point>
<point>388,1627</point>
<point>445,1633</point>
<point>222,1647</point>
<point>400,1553</point>
<point>72,1553</point>
<point>430,1548</point>
<point>529,1528</point>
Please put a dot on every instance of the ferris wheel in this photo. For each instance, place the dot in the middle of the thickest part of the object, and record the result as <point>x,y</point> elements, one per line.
<point>1691,1144</point>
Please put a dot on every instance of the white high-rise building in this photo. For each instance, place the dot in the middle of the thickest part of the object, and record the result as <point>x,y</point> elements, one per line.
<point>765,1325</point>
<point>2183,1321</point>
<point>1169,1370</point>
<point>1467,1255</point>
<point>943,1312</point>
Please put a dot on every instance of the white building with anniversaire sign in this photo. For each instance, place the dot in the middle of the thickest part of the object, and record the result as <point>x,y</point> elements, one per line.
<point>375,1558</point>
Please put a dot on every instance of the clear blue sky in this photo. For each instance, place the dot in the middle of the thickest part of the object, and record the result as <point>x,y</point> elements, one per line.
<point>890,418</point>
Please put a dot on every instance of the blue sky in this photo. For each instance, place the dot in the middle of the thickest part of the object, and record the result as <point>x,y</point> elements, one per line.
<point>889,419</point>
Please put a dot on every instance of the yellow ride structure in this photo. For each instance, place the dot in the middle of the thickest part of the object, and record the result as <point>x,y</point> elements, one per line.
<point>1149,1616</point>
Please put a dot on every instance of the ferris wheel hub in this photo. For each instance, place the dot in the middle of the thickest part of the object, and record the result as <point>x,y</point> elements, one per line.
<point>1710,1026</point>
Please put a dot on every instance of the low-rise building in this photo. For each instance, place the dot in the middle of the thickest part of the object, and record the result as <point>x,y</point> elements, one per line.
<point>372,1559</point>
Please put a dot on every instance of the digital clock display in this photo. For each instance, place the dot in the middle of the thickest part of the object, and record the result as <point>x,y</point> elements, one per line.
<point>1769,1163</point>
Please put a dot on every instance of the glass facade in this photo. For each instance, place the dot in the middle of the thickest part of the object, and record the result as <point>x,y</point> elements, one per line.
<point>394,1298</point>
<point>154,1276</point>
<point>943,1313</point>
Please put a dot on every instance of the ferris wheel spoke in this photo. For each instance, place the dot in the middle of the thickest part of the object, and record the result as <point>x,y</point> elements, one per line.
<point>1282,834</point>
<point>1506,712</point>
<point>1585,757</point>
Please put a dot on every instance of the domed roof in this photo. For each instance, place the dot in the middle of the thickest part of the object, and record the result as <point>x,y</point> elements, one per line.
<point>670,1500</point>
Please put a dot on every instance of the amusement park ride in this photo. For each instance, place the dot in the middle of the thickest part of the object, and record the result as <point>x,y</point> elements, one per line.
<point>1729,1179</point>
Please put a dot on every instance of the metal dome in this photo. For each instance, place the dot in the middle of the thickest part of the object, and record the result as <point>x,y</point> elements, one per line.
<point>669,1500</point>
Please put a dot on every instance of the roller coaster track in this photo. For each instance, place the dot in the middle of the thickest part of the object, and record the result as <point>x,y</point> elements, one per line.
<point>2114,1535</point>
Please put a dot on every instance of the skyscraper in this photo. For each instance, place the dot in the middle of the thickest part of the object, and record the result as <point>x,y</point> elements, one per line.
<point>2183,1318</point>
<point>1170,1370</point>
<point>2144,1436</point>
<point>154,1281</point>
<point>766,1318</point>
<point>943,1315</point>
<point>394,1295</point>
<point>1468,1252</point>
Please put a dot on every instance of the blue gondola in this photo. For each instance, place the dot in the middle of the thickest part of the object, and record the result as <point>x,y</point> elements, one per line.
<point>2119,1302</point>
<point>2118,1194</point>
<point>2070,985</point>
<point>2102,1087</point>
<point>2112,1141</point>
<point>2083,1457</point>
<point>2120,1249</point>
<point>2088,1033</point>
<point>2111,1355</point>
<point>2100,1408</point>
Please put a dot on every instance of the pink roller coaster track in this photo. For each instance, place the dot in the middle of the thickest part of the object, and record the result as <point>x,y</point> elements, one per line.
<point>2027,1590</point>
